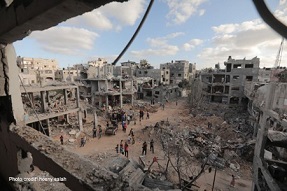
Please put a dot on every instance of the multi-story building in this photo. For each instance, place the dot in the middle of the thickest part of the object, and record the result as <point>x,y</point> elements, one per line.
<point>37,70</point>
<point>179,70</point>
<point>103,88</point>
<point>69,74</point>
<point>267,105</point>
<point>227,85</point>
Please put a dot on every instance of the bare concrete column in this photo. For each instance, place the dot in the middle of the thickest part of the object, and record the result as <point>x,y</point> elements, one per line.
<point>67,118</point>
<point>100,101</point>
<point>121,94</point>
<point>80,120</point>
<point>9,80</point>
<point>48,98</point>
<point>48,127</point>
<point>43,101</point>
<point>65,96</point>
<point>31,98</point>
<point>107,102</point>
<point>77,94</point>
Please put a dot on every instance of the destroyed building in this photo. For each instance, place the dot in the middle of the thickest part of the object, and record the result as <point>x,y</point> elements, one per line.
<point>269,74</point>
<point>267,106</point>
<point>179,70</point>
<point>36,70</point>
<point>70,74</point>
<point>21,143</point>
<point>227,85</point>
<point>46,106</point>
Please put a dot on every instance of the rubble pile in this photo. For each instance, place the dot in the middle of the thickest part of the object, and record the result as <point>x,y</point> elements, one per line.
<point>146,106</point>
<point>55,104</point>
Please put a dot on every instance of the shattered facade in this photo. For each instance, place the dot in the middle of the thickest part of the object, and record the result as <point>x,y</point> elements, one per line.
<point>46,106</point>
<point>21,144</point>
<point>179,70</point>
<point>227,85</point>
<point>268,109</point>
<point>36,70</point>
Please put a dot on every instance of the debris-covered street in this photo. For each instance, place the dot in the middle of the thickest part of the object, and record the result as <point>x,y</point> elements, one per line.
<point>226,146</point>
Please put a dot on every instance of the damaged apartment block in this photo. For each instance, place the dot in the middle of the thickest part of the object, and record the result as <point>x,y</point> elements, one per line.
<point>268,109</point>
<point>227,85</point>
<point>47,106</point>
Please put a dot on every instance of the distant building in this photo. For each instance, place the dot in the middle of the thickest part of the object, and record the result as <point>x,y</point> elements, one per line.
<point>179,70</point>
<point>227,85</point>
<point>67,75</point>
<point>37,70</point>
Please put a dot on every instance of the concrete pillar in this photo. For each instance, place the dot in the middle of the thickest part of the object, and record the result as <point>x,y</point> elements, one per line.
<point>77,94</point>
<point>65,96</point>
<point>9,80</point>
<point>48,127</point>
<point>30,95</point>
<point>43,101</point>
<point>100,101</point>
<point>121,94</point>
<point>80,120</point>
<point>67,118</point>
<point>48,98</point>
<point>107,102</point>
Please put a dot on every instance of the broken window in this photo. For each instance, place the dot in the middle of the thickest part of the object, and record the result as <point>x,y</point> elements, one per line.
<point>179,75</point>
<point>249,78</point>
<point>235,88</point>
<point>234,100</point>
<point>228,68</point>
<point>235,77</point>
<point>237,66</point>
<point>166,72</point>
<point>248,65</point>
<point>145,72</point>
<point>172,75</point>
<point>227,79</point>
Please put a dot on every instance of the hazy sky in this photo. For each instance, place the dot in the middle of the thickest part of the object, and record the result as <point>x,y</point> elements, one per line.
<point>204,32</point>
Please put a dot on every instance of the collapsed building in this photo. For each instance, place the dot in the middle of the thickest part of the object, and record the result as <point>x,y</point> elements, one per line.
<point>267,107</point>
<point>22,146</point>
<point>227,85</point>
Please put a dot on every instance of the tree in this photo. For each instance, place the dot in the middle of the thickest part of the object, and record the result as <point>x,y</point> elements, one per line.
<point>175,145</point>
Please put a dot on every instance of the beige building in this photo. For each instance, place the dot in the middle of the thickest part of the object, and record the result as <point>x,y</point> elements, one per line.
<point>67,75</point>
<point>36,70</point>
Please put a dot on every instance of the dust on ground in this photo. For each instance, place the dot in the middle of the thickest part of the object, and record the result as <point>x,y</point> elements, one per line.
<point>102,149</point>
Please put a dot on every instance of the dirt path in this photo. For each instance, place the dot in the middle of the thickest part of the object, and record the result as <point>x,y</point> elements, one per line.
<point>176,114</point>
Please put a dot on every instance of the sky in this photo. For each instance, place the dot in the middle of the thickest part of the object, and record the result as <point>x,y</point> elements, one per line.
<point>204,32</point>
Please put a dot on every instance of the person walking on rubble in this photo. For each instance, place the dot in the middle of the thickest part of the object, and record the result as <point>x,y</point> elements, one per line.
<point>62,139</point>
<point>100,131</point>
<point>147,115</point>
<point>151,146</point>
<point>126,150</point>
<point>144,147</point>
<point>94,132</point>
<point>121,147</point>
<point>117,148</point>
<point>83,141</point>
<point>131,132</point>
<point>232,183</point>
<point>128,119</point>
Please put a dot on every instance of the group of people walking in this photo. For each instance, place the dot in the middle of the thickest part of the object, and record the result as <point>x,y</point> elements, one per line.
<point>144,147</point>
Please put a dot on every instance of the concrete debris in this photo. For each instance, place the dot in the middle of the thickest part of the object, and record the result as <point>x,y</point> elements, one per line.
<point>72,132</point>
<point>234,166</point>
